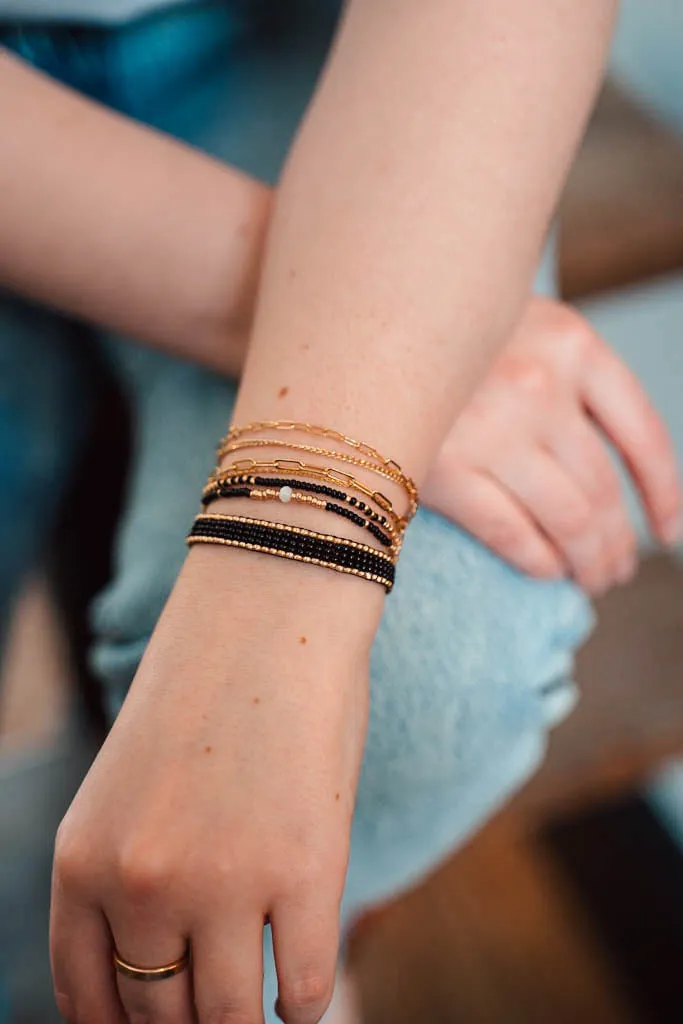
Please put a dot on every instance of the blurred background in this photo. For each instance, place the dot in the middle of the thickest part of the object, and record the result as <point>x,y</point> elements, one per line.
<point>569,906</point>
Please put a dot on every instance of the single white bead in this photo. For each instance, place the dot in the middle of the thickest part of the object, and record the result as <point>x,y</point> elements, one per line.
<point>285,494</point>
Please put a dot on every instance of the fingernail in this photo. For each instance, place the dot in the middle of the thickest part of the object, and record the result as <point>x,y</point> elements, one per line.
<point>671,530</point>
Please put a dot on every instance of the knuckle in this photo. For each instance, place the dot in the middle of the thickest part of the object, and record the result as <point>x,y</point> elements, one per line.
<point>229,1013</point>
<point>306,992</point>
<point>66,1008</point>
<point>298,883</point>
<point>573,334</point>
<point>72,858</point>
<point>506,535</point>
<point>580,338</point>
<point>144,870</point>
<point>530,375</point>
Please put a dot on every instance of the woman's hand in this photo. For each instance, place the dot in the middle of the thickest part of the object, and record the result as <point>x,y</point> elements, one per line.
<point>526,467</point>
<point>223,797</point>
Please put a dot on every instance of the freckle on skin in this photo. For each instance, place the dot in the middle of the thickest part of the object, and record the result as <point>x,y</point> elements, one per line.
<point>336,796</point>
<point>303,640</point>
<point>257,700</point>
<point>207,750</point>
<point>305,347</point>
<point>282,392</point>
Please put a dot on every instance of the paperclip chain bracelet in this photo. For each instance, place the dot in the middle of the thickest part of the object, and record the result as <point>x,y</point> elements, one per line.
<point>392,469</point>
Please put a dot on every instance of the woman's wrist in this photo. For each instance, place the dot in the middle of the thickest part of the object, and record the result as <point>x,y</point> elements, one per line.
<point>297,603</point>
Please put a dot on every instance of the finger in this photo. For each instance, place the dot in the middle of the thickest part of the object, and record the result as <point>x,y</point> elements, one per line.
<point>616,399</point>
<point>582,452</point>
<point>147,934</point>
<point>80,951</point>
<point>168,1000</point>
<point>562,511</point>
<point>228,972</point>
<point>306,945</point>
<point>493,515</point>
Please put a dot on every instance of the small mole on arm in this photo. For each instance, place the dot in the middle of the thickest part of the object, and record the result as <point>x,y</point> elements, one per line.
<point>303,640</point>
<point>282,392</point>
<point>207,750</point>
<point>336,796</point>
<point>257,700</point>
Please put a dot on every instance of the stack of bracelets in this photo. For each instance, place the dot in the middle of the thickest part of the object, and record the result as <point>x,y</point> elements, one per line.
<point>319,486</point>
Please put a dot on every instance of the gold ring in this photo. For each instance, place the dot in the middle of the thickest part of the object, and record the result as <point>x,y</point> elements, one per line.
<point>151,973</point>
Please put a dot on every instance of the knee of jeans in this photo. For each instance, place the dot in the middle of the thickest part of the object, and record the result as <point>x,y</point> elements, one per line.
<point>471,658</point>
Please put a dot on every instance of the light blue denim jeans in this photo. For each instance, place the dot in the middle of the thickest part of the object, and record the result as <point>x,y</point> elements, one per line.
<point>473,661</point>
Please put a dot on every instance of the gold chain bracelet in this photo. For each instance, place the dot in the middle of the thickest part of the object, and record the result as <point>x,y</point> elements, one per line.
<point>388,468</point>
<point>310,428</point>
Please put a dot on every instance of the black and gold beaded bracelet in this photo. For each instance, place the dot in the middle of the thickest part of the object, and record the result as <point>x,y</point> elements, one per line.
<point>296,543</point>
<point>286,489</point>
<point>328,474</point>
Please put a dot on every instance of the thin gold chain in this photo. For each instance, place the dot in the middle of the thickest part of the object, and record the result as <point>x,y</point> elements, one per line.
<point>297,446</point>
<point>310,428</point>
<point>394,471</point>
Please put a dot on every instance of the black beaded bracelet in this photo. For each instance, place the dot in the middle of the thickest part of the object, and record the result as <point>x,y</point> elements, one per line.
<point>293,542</point>
<point>302,485</point>
<point>286,489</point>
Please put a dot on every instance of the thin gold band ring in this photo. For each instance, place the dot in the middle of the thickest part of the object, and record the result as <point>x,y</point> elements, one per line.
<point>151,973</point>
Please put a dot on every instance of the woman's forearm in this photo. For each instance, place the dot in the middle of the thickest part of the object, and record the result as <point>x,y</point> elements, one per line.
<point>123,226</point>
<point>412,211</point>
